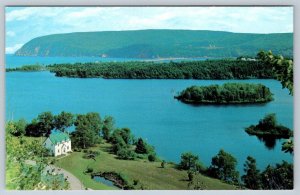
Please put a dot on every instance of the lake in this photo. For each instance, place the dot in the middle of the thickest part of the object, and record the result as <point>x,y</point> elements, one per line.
<point>13,61</point>
<point>148,108</point>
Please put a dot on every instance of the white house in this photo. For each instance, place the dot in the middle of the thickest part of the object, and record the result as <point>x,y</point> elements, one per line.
<point>58,143</point>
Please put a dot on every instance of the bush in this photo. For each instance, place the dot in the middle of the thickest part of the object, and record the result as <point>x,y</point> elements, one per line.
<point>126,154</point>
<point>190,175</point>
<point>151,157</point>
<point>163,164</point>
<point>135,182</point>
<point>89,170</point>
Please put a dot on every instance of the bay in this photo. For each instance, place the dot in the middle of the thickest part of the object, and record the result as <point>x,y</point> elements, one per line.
<point>148,108</point>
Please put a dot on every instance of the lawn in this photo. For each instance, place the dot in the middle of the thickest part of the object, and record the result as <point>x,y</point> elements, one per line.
<point>149,174</point>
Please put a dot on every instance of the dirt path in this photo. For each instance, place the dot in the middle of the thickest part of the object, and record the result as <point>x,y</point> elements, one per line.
<point>75,183</point>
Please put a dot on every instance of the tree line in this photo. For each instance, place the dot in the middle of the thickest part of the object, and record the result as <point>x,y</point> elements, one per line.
<point>90,130</point>
<point>208,69</point>
<point>223,167</point>
<point>227,93</point>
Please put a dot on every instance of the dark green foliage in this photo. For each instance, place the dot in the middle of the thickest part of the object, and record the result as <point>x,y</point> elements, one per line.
<point>41,126</point>
<point>63,120</point>
<point>228,93</point>
<point>27,68</point>
<point>151,157</point>
<point>46,123</point>
<point>191,175</point>
<point>90,154</point>
<point>108,127</point>
<point>122,135</point>
<point>209,69</point>
<point>87,130</point>
<point>16,128</point>
<point>89,170</point>
<point>268,127</point>
<point>141,147</point>
<point>288,146</point>
<point>188,161</point>
<point>157,43</point>
<point>223,166</point>
<point>125,154</point>
<point>163,164</point>
<point>136,181</point>
<point>278,177</point>
<point>282,67</point>
<point>251,179</point>
<point>123,146</point>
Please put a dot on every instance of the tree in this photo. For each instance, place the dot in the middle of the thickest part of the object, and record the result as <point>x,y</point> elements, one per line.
<point>223,166</point>
<point>188,161</point>
<point>108,127</point>
<point>63,120</point>
<point>278,177</point>
<point>283,68</point>
<point>87,128</point>
<point>163,163</point>
<point>288,146</point>
<point>32,129</point>
<point>252,177</point>
<point>24,176</point>
<point>141,147</point>
<point>46,123</point>
<point>16,128</point>
<point>268,122</point>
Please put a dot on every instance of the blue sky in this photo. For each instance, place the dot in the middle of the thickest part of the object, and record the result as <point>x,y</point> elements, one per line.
<point>26,23</point>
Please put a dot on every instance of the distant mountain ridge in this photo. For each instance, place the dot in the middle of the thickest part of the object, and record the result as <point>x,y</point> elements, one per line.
<point>158,44</point>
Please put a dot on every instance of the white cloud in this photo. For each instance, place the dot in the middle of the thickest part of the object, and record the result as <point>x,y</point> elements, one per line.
<point>13,49</point>
<point>31,22</point>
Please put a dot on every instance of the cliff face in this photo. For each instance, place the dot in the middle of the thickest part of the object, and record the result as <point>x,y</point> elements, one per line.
<point>157,43</point>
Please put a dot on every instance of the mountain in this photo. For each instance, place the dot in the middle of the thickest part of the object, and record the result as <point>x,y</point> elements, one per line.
<point>157,44</point>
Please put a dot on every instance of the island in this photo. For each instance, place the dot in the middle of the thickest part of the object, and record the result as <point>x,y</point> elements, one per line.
<point>228,93</point>
<point>269,127</point>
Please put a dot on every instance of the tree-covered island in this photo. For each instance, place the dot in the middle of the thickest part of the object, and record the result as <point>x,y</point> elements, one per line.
<point>268,126</point>
<point>208,69</point>
<point>228,93</point>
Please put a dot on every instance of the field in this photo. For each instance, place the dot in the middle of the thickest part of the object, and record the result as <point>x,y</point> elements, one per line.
<point>149,174</point>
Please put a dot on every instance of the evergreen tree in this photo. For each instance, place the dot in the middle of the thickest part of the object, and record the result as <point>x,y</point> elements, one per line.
<point>252,177</point>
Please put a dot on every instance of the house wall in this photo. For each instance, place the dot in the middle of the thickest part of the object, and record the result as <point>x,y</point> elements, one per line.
<point>57,149</point>
<point>48,144</point>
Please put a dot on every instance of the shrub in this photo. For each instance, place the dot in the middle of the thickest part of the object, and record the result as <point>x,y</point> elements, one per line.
<point>163,164</point>
<point>151,157</point>
<point>135,182</point>
<point>190,175</point>
<point>89,170</point>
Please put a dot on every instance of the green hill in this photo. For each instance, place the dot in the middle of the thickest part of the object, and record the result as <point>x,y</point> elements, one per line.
<point>158,44</point>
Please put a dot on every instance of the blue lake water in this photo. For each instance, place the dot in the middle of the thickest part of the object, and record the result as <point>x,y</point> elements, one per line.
<point>148,108</point>
<point>13,61</point>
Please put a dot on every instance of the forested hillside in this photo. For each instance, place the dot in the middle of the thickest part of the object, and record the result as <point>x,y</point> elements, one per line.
<point>158,44</point>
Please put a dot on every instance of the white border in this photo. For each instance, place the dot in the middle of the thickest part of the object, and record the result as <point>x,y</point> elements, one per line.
<point>295,3</point>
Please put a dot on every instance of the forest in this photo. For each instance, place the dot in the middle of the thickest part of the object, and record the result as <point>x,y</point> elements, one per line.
<point>208,69</point>
<point>228,93</point>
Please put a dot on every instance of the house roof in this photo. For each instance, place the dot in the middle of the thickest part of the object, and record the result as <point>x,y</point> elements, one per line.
<point>58,137</point>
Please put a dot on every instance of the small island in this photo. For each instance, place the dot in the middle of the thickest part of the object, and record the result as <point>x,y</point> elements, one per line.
<point>269,127</point>
<point>228,93</point>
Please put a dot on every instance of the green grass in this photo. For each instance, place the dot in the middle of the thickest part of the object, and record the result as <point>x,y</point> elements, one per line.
<point>149,174</point>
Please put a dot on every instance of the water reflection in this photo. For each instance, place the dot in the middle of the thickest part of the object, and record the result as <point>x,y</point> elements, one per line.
<point>269,141</point>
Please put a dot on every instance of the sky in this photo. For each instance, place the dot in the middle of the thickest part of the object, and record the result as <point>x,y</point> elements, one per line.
<point>26,23</point>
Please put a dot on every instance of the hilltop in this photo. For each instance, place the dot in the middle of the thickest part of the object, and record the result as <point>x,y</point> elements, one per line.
<point>158,44</point>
